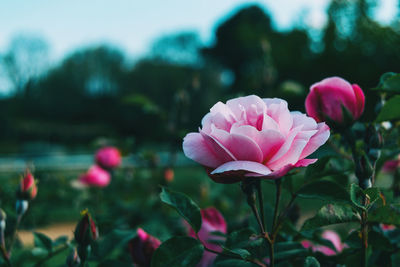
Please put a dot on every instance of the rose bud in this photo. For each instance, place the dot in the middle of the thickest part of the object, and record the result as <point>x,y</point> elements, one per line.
<point>254,137</point>
<point>108,157</point>
<point>335,101</point>
<point>86,230</point>
<point>169,175</point>
<point>95,176</point>
<point>28,187</point>
<point>142,248</point>
<point>331,236</point>
<point>212,221</point>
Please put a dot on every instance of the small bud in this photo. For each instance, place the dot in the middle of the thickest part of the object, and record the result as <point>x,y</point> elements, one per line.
<point>86,230</point>
<point>108,157</point>
<point>28,187</point>
<point>21,206</point>
<point>73,259</point>
<point>3,218</point>
<point>142,247</point>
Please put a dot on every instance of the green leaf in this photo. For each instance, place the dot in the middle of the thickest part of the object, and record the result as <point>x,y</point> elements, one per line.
<point>107,244</point>
<point>373,194</point>
<point>288,254</point>
<point>311,262</point>
<point>331,214</point>
<point>324,190</point>
<point>244,254</point>
<point>39,252</point>
<point>388,214</point>
<point>42,241</point>
<point>60,241</point>
<point>184,205</point>
<point>389,82</point>
<point>233,263</point>
<point>391,110</point>
<point>178,251</point>
<point>357,196</point>
<point>315,170</point>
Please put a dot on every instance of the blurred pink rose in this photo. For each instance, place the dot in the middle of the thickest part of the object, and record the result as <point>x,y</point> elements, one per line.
<point>108,157</point>
<point>391,165</point>
<point>213,221</point>
<point>142,248</point>
<point>95,176</point>
<point>328,235</point>
<point>387,227</point>
<point>327,97</point>
<point>254,137</point>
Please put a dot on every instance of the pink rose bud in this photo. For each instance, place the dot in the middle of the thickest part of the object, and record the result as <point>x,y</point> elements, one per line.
<point>95,176</point>
<point>329,97</point>
<point>330,236</point>
<point>391,166</point>
<point>169,175</point>
<point>212,221</point>
<point>28,188</point>
<point>108,157</point>
<point>86,230</point>
<point>254,137</point>
<point>142,248</point>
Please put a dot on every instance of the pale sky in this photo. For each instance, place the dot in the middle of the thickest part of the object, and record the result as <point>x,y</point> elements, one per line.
<point>132,25</point>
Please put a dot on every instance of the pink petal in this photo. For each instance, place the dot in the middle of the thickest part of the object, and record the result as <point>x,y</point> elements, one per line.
<point>278,110</point>
<point>302,119</point>
<point>196,148</point>
<point>249,167</point>
<point>284,170</point>
<point>221,152</point>
<point>291,157</point>
<point>286,145</point>
<point>240,105</point>
<point>241,146</point>
<point>316,140</point>
<point>360,100</point>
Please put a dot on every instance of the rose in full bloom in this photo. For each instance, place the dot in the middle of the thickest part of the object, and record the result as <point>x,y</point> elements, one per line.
<point>142,248</point>
<point>212,221</point>
<point>327,98</point>
<point>108,157</point>
<point>330,236</point>
<point>95,176</point>
<point>28,187</point>
<point>254,137</point>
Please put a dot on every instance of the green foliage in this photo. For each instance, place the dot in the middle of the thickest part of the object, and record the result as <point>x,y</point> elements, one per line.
<point>388,214</point>
<point>390,111</point>
<point>364,199</point>
<point>184,206</point>
<point>331,214</point>
<point>178,251</point>
<point>390,83</point>
<point>311,262</point>
<point>324,190</point>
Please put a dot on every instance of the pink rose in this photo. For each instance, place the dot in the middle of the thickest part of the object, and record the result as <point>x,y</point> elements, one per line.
<point>212,221</point>
<point>254,137</point>
<point>387,227</point>
<point>108,157</point>
<point>328,235</point>
<point>28,187</point>
<point>142,248</point>
<point>327,97</point>
<point>95,176</point>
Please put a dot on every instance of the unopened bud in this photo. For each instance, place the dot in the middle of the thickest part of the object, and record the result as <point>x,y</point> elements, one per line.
<point>73,259</point>
<point>28,187</point>
<point>21,206</point>
<point>86,230</point>
<point>142,248</point>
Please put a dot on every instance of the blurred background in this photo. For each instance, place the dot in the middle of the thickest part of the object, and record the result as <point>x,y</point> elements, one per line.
<point>139,75</point>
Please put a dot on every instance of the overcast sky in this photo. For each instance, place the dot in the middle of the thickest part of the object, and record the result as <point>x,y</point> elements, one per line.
<point>132,24</point>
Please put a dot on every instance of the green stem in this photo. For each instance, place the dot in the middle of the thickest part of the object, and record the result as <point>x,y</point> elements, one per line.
<point>261,202</point>
<point>278,185</point>
<point>17,223</point>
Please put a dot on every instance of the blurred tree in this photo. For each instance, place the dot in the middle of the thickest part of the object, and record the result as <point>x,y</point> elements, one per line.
<point>26,59</point>
<point>243,45</point>
<point>181,49</point>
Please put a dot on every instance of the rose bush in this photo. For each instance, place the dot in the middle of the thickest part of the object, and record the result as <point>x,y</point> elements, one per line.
<point>328,97</point>
<point>254,137</point>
